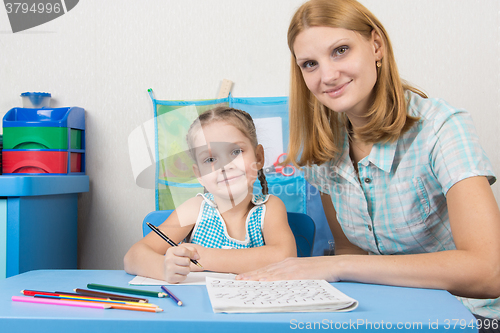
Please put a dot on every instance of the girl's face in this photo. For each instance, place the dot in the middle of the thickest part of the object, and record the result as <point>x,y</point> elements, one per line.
<point>339,68</point>
<point>226,162</point>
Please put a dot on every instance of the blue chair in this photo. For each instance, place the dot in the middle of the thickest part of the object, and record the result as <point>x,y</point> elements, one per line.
<point>303,229</point>
<point>156,218</point>
<point>302,226</point>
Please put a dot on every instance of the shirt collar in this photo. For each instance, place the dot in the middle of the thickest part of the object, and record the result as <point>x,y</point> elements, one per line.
<point>381,155</point>
<point>344,164</point>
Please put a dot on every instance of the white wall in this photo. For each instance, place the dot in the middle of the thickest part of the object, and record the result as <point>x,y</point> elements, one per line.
<point>104,55</point>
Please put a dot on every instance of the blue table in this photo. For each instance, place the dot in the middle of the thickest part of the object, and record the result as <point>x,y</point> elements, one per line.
<point>380,308</point>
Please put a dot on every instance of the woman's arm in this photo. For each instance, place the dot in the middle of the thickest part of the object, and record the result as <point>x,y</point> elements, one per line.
<point>472,270</point>
<point>147,256</point>
<point>279,244</point>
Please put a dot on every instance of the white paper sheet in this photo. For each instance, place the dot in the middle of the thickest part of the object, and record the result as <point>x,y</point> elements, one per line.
<point>236,296</point>
<point>270,136</point>
<point>193,278</point>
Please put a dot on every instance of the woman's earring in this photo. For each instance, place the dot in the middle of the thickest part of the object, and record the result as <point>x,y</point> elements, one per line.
<point>379,64</point>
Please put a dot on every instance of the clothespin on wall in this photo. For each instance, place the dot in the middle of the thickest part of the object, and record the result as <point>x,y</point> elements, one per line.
<point>225,88</point>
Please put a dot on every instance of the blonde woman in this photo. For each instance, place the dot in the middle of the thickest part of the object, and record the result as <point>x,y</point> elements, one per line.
<point>403,176</point>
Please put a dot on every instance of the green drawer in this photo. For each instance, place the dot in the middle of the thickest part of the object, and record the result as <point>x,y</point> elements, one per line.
<point>35,138</point>
<point>76,139</point>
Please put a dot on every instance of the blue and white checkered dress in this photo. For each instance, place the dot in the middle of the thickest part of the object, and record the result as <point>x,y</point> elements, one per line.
<point>210,229</point>
<point>398,204</point>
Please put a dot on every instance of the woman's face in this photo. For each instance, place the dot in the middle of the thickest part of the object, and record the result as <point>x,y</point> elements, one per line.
<point>339,68</point>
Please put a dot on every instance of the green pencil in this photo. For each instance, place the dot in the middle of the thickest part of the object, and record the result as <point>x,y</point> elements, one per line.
<point>127,290</point>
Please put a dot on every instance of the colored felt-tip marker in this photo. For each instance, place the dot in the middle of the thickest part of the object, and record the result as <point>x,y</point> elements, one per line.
<point>172,296</point>
<point>169,241</point>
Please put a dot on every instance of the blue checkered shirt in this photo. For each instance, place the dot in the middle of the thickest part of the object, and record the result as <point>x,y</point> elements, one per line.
<point>398,203</point>
<point>210,229</point>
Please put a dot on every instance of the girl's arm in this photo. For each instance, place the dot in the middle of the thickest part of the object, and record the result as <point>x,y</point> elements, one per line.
<point>472,270</point>
<point>279,244</point>
<point>147,256</point>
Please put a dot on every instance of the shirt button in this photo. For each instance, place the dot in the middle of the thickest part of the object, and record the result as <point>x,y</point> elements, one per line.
<point>368,180</point>
<point>370,227</point>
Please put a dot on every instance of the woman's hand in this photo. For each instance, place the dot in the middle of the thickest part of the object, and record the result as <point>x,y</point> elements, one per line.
<point>313,268</point>
<point>177,262</point>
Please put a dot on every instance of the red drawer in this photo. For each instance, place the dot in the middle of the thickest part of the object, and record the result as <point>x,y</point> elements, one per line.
<point>75,162</point>
<point>35,161</point>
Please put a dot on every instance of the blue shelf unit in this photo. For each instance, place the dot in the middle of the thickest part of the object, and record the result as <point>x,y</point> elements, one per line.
<point>35,121</point>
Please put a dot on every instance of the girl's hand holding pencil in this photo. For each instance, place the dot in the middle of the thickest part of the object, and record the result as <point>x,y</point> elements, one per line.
<point>178,258</point>
<point>178,262</point>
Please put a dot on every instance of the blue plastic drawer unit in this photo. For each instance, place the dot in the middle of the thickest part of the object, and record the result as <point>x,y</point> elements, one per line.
<point>31,135</point>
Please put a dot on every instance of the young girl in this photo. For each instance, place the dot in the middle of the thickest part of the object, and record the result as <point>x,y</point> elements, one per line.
<point>403,177</point>
<point>229,229</point>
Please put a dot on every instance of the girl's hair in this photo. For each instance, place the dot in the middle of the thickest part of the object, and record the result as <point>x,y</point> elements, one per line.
<point>316,133</point>
<point>237,118</point>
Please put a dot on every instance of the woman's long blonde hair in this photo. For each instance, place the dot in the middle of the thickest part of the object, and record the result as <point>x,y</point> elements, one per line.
<point>316,133</point>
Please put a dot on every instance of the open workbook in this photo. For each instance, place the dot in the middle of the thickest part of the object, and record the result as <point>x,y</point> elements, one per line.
<point>234,296</point>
